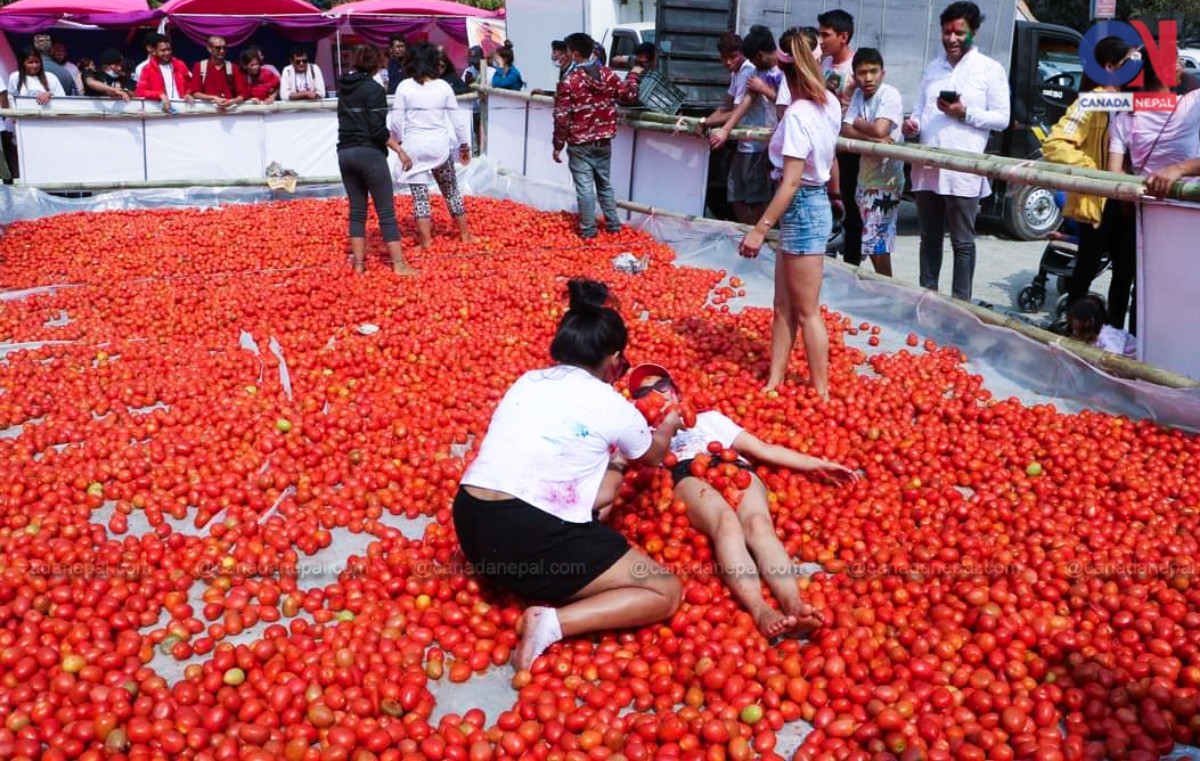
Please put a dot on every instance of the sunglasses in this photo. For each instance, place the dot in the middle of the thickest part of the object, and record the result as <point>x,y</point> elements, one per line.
<point>662,386</point>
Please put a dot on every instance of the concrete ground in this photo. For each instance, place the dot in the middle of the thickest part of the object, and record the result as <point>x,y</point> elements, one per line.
<point>1002,267</point>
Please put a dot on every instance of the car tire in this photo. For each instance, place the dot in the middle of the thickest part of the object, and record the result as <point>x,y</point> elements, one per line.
<point>1031,213</point>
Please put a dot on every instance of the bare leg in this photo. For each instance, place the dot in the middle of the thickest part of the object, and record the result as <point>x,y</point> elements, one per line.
<point>803,280</point>
<point>783,327</point>
<point>711,515</point>
<point>772,559</point>
<point>399,265</point>
<point>634,592</point>
<point>358,254</point>
<point>424,233</point>
<point>464,232</point>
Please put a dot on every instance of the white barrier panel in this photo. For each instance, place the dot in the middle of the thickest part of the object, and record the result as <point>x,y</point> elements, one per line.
<point>652,168</point>
<point>201,144</point>
<point>1167,286</point>
<point>305,142</point>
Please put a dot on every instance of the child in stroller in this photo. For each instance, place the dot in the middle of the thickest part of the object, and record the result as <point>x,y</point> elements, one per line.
<point>1058,261</point>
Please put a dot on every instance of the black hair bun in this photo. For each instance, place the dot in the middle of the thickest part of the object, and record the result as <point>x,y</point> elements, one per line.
<point>587,295</point>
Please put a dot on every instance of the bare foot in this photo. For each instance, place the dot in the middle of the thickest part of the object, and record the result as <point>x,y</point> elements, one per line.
<point>468,238</point>
<point>772,384</point>
<point>540,630</point>
<point>772,623</point>
<point>807,619</point>
<point>400,268</point>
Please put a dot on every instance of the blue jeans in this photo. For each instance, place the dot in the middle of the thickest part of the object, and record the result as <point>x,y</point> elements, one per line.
<point>591,169</point>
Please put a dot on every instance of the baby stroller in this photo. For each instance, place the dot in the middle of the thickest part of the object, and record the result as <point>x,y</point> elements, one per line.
<point>1058,261</point>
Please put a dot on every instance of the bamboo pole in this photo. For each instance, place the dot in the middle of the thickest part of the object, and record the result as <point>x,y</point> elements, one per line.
<point>1024,172</point>
<point>1110,363</point>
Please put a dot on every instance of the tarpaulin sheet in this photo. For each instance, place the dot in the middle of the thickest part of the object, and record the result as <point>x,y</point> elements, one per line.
<point>1012,364</point>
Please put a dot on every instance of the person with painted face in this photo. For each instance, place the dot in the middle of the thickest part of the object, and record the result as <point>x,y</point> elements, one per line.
<point>108,80</point>
<point>963,98</point>
<point>747,550</point>
<point>529,509</point>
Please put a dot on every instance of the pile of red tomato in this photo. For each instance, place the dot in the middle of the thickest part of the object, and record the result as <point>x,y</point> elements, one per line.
<point>1003,582</point>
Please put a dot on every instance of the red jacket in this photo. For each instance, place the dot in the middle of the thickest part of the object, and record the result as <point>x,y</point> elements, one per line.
<point>267,82</point>
<point>151,85</point>
<point>585,104</point>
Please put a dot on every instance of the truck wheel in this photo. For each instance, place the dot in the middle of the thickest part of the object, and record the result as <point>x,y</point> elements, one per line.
<point>1031,213</point>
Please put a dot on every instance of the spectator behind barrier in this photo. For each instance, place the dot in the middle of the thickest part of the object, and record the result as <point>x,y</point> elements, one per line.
<point>32,80</point>
<point>1154,141</point>
<point>1087,321</point>
<point>109,79</point>
<point>507,76</point>
<point>151,41</point>
<point>301,79</point>
<point>166,79</point>
<point>214,79</point>
<point>560,59</point>
<point>748,186</point>
<point>58,52</point>
<point>1105,226</point>
<point>448,74</point>
<point>876,114</point>
<point>44,46</point>
<point>255,83</point>
<point>963,97</point>
<point>397,60</point>
<point>585,123</point>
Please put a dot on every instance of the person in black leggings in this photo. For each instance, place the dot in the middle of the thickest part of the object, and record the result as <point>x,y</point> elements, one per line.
<point>363,143</point>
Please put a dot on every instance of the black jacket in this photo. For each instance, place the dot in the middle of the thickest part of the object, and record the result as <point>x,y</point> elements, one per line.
<point>362,113</point>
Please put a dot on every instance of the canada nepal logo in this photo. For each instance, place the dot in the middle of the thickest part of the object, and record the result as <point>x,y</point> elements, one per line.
<point>1163,53</point>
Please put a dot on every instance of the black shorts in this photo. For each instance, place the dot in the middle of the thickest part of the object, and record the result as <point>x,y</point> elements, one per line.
<point>530,552</point>
<point>683,469</point>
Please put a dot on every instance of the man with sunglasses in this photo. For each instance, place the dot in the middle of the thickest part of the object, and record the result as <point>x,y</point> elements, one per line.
<point>212,78</point>
<point>747,551</point>
<point>301,80</point>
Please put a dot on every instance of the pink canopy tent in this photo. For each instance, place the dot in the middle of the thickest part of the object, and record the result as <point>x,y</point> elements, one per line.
<point>237,20</point>
<point>442,22</point>
<point>33,16</point>
<point>420,8</point>
<point>72,7</point>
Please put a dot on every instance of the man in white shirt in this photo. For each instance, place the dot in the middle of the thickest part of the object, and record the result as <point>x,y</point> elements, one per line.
<point>964,97</point>
<point>301,80</point>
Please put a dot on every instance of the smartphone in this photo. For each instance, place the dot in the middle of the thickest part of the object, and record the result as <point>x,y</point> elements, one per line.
<point>948,95</point>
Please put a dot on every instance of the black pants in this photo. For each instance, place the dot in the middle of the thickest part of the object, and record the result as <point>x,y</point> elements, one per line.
<point>1117,234</point>
<point>937,214</point>
<point>365,171</point>
<point>852,225</point>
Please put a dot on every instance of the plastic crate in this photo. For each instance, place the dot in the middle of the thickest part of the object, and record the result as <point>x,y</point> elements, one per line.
<point>657,94</point>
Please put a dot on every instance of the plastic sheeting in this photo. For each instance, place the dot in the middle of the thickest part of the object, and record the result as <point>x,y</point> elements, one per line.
<point>1011,364</point>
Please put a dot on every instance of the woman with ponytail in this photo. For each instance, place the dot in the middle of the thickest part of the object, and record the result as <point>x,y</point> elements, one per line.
<point>529,509</point>
<point>802,152</point>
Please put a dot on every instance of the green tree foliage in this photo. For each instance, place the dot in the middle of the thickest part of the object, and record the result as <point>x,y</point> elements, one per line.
<point>1077,14</point>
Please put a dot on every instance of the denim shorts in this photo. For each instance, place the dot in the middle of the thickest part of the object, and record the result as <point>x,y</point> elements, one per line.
<point>807,224</point>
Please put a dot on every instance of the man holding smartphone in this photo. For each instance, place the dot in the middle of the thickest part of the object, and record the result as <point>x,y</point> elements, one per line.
<point>964,96</point>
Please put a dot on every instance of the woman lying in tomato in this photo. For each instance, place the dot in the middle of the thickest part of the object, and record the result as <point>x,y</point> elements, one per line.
<point>743,539</point>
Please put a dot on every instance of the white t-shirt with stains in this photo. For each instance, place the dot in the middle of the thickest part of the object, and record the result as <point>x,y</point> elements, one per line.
<point>551,438</point>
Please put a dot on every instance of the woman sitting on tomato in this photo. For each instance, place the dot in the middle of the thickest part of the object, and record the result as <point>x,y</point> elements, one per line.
<point>528,509</point>
<point>743,538</point>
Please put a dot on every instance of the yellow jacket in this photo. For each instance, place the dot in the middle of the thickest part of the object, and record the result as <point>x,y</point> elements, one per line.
<point>1080,139</point>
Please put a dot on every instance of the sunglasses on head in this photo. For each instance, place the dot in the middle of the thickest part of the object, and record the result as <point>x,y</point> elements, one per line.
<point>662,386</point>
